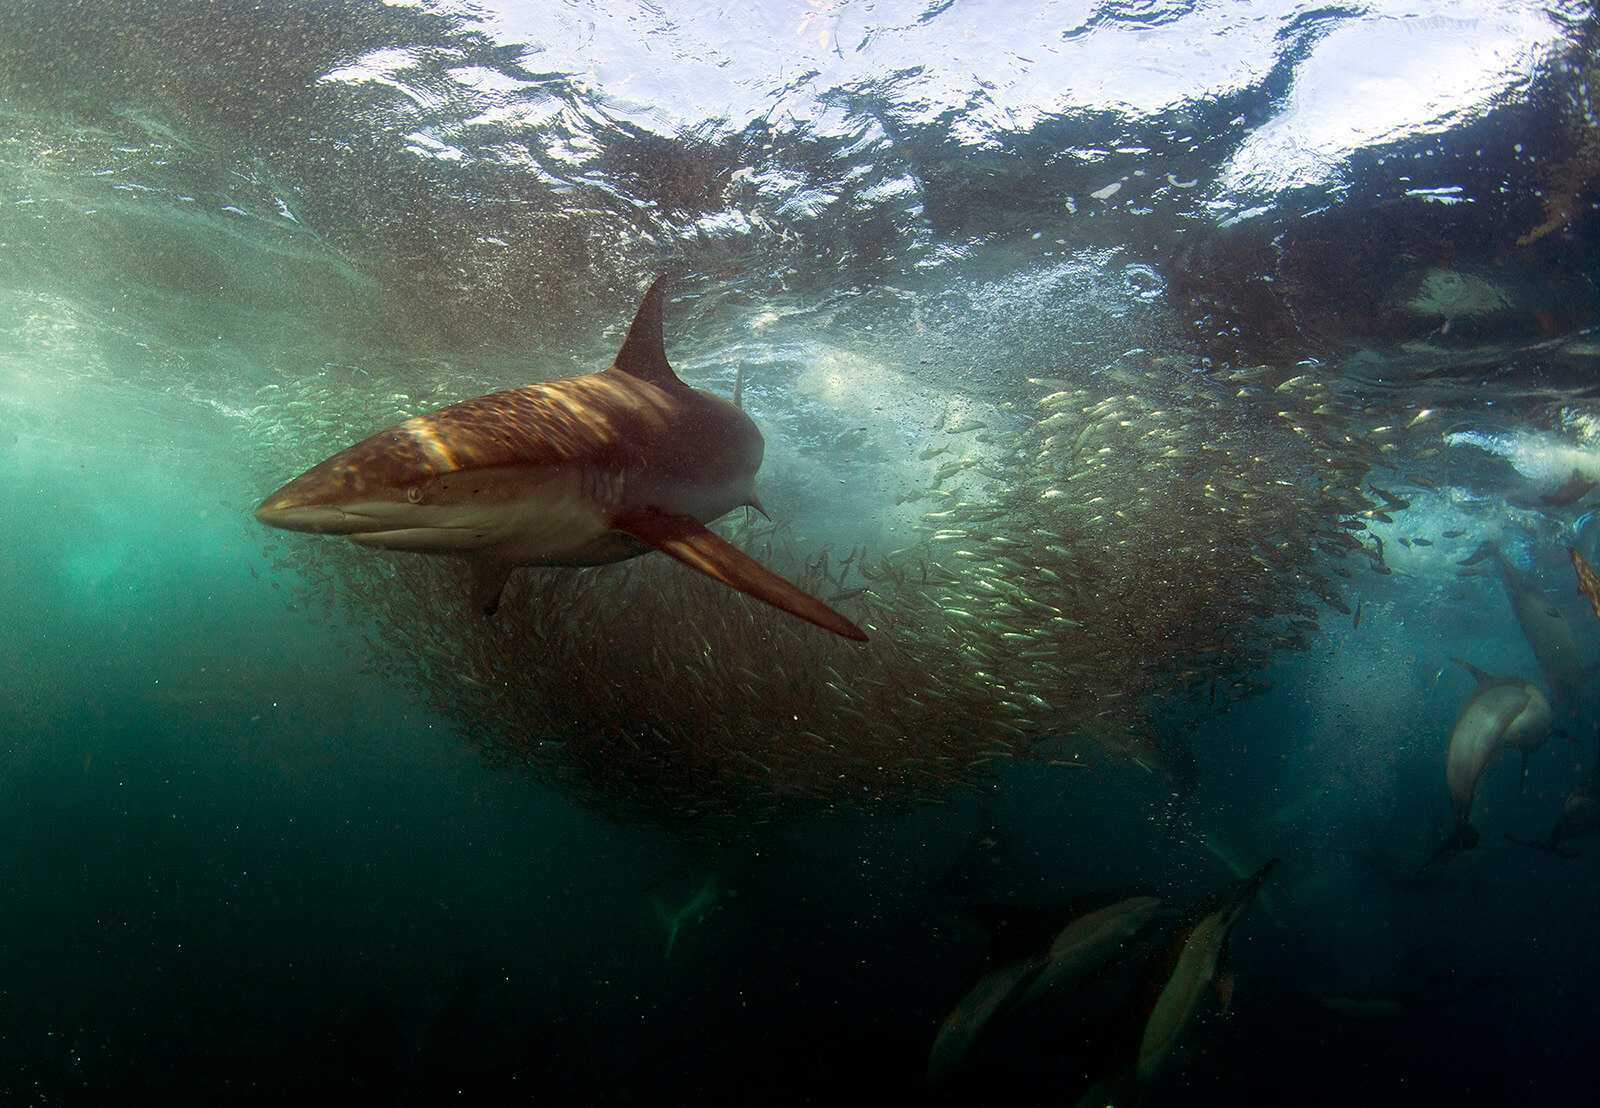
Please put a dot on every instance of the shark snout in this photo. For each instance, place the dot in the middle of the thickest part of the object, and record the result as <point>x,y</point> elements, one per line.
<point>314,502</point>
<point>292,514</point>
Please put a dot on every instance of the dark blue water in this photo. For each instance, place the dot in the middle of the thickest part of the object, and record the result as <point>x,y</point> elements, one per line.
<point>286,820</point>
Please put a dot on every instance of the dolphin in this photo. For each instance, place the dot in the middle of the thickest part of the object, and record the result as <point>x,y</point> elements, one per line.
<point>1169,991</point>
<point>577,472</point>
<point>1388,996</point>
<point>1035,952</point>
<point>1501,713</point>
<point>1580,816</point>
<point>1545,627</point>
<point>1572,490</point>
<point>1230,854</point>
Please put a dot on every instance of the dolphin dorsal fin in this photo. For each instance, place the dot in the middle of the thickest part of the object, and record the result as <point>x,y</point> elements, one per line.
<point>644,351</point>
<point>1477,673</point>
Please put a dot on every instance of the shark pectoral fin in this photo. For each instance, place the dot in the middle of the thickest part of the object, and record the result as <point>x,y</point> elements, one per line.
<point>488,582</point>
<point>690,542</point>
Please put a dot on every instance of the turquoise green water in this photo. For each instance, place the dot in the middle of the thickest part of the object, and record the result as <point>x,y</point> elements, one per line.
<point>1108,473</point>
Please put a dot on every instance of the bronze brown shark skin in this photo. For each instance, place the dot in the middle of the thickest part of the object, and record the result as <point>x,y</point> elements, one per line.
<point>576,472</point>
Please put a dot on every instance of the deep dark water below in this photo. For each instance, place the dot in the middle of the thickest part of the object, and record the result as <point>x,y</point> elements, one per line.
<point>1149,421</point>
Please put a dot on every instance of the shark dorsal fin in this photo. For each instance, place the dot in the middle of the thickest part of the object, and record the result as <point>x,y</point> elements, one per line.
<point>644,351</point>
<point>1477,673</point>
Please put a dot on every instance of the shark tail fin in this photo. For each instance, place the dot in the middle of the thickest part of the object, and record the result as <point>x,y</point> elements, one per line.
<point>1489,549</point>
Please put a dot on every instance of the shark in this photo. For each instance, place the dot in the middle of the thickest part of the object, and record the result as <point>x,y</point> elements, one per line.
<point>581,471</point>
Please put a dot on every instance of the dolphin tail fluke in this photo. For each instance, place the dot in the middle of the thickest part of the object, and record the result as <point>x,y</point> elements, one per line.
<point>1548,847</point>
<point>1464,837</point>
<point>690,542</point>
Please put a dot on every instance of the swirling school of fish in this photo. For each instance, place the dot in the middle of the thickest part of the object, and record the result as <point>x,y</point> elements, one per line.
<point>1119,563</point>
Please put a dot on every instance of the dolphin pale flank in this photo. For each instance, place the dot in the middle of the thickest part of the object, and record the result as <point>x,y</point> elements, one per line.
<point>1546,628</point>
<point>577,472</point>
<point>1501,713</point>
<point>1169,991</point>
<point>1035,951</point>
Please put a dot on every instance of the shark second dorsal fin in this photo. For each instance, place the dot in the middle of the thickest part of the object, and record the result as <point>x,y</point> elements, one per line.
<point>644,351</point>
<point>1477,674</point>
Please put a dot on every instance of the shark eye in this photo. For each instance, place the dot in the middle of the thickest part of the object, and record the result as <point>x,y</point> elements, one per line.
<point>414,494</point>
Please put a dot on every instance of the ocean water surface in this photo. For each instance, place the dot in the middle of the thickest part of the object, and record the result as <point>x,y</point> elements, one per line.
<point>1172,392</point>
